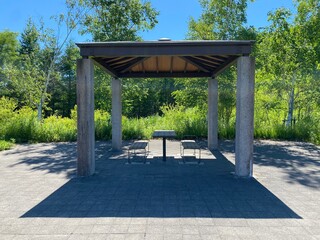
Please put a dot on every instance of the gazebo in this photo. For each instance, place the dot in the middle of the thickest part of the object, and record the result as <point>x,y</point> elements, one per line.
<point>157,59</point>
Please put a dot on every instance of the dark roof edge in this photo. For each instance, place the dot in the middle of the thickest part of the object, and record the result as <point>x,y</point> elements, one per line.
<point>166,43</point>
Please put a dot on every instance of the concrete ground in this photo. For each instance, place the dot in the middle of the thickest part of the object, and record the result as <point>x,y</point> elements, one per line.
<point>41,197</point>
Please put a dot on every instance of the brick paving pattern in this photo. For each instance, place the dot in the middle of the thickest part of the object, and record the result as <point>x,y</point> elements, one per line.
<point>41,197</point>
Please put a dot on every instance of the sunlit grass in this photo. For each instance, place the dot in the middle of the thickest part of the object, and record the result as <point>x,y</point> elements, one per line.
<point>22,126</point>
<point>5,145</point>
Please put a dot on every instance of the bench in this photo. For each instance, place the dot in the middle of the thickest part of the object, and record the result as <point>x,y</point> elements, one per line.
<point>192,145</point>
<point>137,146</point>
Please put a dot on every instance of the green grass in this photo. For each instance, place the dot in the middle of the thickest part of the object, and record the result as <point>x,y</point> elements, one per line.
<point>5,145</point>
<point>23,126</point>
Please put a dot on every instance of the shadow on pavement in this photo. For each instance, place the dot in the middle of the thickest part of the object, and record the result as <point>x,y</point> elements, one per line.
<point>160,190</point>
<point>299,161</point>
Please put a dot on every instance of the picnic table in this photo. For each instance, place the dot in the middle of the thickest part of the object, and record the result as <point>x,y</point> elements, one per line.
<point>164,134</point>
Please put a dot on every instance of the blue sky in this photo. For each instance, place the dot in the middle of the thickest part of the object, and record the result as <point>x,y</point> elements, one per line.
<point>173,18</point>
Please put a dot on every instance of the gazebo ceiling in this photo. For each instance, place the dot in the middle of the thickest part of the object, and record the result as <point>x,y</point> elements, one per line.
<point>165,58</point>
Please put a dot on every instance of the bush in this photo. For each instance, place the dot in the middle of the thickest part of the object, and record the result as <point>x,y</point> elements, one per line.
<point>7,107</point>
<point>21,126</point>
<point>55,129</point>
<point>5,145</point>
<point>133,128</point>
<point>190,121</point>
<point>102,124</point>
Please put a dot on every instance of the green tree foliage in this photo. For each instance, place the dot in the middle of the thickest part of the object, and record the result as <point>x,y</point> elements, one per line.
<point>220,20</point>
<point>25,74</point>
<point>145,97</point>
<point>117,20</point>
<point>287,60</point>
<point>63,88</point>
<point>29,41</point>
<point>8,55</point>
<point>40,69</point>
<point>8,47</point>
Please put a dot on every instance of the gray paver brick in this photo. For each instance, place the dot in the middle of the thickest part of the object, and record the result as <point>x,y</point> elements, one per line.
<point>42,199</point>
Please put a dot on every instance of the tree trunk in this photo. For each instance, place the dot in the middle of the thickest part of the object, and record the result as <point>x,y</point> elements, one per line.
<point>40,111</point>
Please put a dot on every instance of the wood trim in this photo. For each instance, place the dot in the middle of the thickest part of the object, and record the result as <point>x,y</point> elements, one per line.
<point>222,67</point>
<point>121,62</point>
<point>133,64</point>
<point>157,64</point>
<point>196,64</point>
<point>99,62</point>
<point>171,64</point>
<point>185,66</point>
<point>206,59</point>
<point>165,75</point>
<point>160,50</point>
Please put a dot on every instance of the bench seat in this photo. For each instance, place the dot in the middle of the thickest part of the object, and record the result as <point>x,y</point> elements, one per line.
<point>189,144</point>
<point>138,145</point>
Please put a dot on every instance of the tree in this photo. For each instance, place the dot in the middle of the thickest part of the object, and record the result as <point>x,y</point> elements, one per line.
<point>145,97</point>
<point>55,43</point>
<point>25,74</point>
<point>220,20</point>
<point>64,96</point>
<point>8,47</point>
<point>29,42</point>
<point>8,55</point>
<point>288,57</point>
<point>117,20</point>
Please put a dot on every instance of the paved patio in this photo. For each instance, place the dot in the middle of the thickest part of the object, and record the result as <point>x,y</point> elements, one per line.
<point>42,199</point>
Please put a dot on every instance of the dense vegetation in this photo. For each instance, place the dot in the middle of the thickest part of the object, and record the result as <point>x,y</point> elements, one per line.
<point>38,79</point>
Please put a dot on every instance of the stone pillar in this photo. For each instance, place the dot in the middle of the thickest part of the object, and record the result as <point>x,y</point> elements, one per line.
<point>213,114</point>
<point>116,115</point>
<point>244,116</point>
<point>85,118</point>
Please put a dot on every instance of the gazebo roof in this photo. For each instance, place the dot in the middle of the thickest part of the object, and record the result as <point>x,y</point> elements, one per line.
<point>165,58</point>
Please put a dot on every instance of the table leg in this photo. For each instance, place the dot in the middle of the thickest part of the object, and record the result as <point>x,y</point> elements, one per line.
<point>164,149</point>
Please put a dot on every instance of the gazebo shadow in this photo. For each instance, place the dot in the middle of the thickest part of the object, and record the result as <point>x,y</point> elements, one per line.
<point>161,190</point>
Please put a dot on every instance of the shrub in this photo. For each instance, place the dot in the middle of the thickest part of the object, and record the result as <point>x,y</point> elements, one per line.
<point>7,107</point>
<point>102,124</point>
<point>55,129</point>
<point>22,125</point>
<point>5,145</point>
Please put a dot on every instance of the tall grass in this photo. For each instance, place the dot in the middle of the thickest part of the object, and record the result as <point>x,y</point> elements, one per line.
<point>304,130</point>
<point>23,126</point>
<point>102,123</point>
<point>5,145</point>
<point>184,121</point>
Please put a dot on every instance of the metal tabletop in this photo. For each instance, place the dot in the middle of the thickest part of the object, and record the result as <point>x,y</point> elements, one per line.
<point>164,134</point>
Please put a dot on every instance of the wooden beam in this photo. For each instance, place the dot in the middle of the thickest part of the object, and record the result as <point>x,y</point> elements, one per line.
<point>196,64</point>
<point>220,58</point>
<point>221,68</point>
<point>110,60</point>
<point>204,59</point>
<point>210,65</point>
<point>157,64</point>
<point>143,67</point>
<point>165,74</point>
<point>122,61</point>
<point>170,48</point>
<point>171,64</point>
<point>185,66</point>
<point>134,63</point>
<point>99,62</point>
